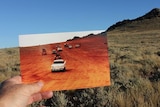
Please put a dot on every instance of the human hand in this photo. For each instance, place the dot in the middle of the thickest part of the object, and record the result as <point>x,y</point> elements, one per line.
<point>15,94</point>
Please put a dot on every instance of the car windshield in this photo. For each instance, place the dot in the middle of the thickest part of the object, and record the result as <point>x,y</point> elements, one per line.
<point>58,62</point>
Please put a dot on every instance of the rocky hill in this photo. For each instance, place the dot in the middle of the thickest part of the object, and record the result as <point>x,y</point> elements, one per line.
<point>149,21</point>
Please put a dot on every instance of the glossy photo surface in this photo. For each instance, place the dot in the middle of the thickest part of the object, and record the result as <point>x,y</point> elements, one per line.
<point>76,63</point>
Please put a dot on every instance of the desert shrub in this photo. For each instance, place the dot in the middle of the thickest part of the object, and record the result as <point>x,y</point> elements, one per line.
<point>158,53</point>
<point>2,69</point>
<point>2,77</point>
<point>58,100</point>
<point>155,75</point>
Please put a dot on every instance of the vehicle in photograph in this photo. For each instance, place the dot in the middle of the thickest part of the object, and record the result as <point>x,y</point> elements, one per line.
<point>59,49</point>
<point>54,51</point>
<point>77,45</point>
<point>65,45</point>
<point>44,52</point>
<point>58,65</point>
<point>70,46</point>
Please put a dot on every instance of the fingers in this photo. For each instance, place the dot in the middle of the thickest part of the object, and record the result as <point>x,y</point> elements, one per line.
<point>34,87</point>
<point>15,80</point>
<point>33,91</point>
<point>11,81</point>
<point>34,98</point>
<point>46,95</point>
<point>40,96</point>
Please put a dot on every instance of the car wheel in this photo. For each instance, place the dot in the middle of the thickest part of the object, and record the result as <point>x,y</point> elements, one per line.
<point>64,69</point>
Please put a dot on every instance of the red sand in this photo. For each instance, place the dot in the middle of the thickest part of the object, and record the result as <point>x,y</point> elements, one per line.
<point>86,66</point>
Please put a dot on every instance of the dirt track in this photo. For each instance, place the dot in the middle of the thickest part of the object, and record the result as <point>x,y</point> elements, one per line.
<point>86,66</point>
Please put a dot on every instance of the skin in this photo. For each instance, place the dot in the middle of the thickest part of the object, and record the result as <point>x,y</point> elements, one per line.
<point>13,93</point>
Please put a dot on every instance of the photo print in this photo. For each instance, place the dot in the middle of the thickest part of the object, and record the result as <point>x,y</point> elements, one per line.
<point>65,61</point>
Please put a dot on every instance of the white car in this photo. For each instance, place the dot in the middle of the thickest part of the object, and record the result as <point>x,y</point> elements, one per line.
<point>59,49</point>
<point>54,51</point>
<point>70,46</point>
<point>58,65</point>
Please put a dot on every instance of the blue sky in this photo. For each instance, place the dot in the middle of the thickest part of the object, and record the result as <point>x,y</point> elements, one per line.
<point>19,17</point>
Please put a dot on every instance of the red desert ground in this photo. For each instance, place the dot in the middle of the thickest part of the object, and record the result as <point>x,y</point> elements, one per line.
<point>86,66</point>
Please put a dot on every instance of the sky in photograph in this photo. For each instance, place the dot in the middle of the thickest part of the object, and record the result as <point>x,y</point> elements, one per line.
<point>19,17</point>
<point>49,38</point>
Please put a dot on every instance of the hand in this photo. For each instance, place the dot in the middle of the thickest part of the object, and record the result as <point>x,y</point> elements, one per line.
<point>15,94</point>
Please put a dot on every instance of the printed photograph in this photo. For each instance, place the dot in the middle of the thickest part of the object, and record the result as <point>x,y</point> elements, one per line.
<point>65,61</point>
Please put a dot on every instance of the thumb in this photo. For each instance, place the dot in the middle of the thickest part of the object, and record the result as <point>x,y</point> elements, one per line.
<point>34,87</point>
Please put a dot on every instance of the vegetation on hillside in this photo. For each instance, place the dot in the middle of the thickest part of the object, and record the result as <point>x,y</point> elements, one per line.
<point>9,63</point>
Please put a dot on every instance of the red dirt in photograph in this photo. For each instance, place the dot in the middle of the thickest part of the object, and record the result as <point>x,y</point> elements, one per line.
<point>86,66</point>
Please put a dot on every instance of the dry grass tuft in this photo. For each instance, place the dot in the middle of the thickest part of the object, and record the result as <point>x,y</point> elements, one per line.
<point>9,63</point>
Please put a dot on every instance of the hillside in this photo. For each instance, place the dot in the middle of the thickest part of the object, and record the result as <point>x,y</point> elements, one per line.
<point>149,21</point>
